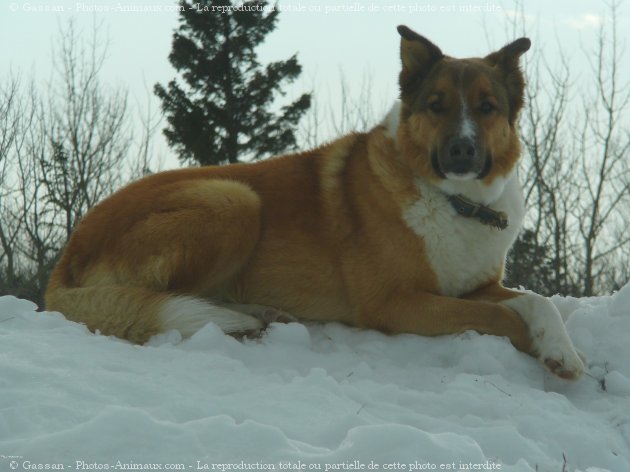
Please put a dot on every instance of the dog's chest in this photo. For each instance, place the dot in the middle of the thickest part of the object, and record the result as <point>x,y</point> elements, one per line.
<point>463,253</point>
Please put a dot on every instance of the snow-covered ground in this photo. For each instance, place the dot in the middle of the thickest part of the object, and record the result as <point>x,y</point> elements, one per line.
<point>317,397</point>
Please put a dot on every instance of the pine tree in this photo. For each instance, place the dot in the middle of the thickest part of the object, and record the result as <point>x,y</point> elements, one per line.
<point>532,264</point>
<point>224,114</point>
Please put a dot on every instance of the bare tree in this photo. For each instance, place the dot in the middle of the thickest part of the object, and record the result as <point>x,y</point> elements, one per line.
<point>604,152</point>
<point>576,174</point>
<point>352,109</point>
<point>39,239</point>
<point>150,119</point>
<point>546,177</point>
<point>12,123</point>
<point>67,151</point>
<point>86,129</point>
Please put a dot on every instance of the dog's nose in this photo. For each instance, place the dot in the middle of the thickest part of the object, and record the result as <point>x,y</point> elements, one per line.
<point>461,153</point>
<point>462,148</point>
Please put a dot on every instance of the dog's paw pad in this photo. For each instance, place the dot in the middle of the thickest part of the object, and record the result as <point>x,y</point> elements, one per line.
<point>273,315</point>
<point>569,370</point>
<point>285,317</point>
<point>248,334</point>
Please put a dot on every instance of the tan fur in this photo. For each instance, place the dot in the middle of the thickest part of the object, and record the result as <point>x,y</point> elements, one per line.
<point>319,235</point>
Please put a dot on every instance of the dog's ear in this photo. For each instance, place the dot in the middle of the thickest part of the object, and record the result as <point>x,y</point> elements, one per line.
<point>418,55</point>
<point>506,60</point>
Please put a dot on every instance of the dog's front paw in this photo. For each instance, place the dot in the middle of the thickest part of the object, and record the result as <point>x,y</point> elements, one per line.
<point>550,341</point>
<point>570,369</point>
<point>557,353</point>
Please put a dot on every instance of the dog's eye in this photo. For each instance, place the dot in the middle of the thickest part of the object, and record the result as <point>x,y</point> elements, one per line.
<point>436,107</point>
<point>486,108</point>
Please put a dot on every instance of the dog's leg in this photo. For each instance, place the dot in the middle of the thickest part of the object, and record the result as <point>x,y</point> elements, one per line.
<point>550,341</point>
<point>489,311</point>
<point>428,314</point>
<point>193,237</point>
<point>267,314</point>
<point>208,234</point>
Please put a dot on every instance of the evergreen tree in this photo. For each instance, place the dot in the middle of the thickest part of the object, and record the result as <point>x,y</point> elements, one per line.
<point>531,263</point>
<point>225,111</point>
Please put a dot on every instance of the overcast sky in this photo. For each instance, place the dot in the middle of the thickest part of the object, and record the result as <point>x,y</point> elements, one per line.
<point>357,36</point>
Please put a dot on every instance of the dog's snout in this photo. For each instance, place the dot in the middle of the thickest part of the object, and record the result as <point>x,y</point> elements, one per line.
<point>461,156</point>
<point>462,149</point>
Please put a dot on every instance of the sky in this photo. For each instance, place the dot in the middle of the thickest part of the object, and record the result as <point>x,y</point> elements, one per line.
<point>329,36</point>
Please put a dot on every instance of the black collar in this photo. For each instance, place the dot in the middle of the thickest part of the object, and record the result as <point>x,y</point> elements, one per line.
<point>486,215</point>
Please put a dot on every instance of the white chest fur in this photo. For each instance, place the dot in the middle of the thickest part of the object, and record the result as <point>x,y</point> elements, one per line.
<point>462,252</point>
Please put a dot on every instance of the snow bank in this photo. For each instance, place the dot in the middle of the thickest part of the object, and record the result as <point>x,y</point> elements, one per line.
<point>317,397</point>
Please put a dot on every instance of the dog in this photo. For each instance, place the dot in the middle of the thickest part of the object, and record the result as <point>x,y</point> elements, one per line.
<point>403,229</point>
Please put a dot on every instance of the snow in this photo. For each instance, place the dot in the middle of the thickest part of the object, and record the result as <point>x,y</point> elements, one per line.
<point>311,397</point>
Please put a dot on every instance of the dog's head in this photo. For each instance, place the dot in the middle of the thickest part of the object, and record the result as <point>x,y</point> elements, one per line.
<point>458,116</point>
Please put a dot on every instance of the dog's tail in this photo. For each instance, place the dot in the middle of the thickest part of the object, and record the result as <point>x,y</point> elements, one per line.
<point>136,314</point>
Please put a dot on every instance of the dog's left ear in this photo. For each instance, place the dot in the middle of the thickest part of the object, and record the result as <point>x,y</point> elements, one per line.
<point>506,60</point>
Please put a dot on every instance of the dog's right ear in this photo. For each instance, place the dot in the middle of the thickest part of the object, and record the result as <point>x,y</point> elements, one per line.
<point>418,55</point>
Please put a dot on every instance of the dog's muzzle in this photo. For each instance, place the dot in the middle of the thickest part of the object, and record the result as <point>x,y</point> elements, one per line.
<point>460,159</point>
